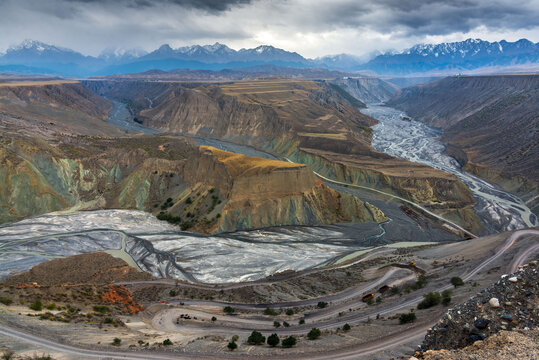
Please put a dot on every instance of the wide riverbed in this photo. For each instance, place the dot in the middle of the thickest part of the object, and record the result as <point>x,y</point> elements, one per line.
<point>415,141</point>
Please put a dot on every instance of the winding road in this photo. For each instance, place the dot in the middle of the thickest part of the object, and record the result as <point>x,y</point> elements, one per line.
<point>354,352</point>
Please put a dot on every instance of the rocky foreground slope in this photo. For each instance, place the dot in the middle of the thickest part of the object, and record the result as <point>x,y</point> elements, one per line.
<point>490,125</point>
<point>511,304</point>
<point>308,122</point>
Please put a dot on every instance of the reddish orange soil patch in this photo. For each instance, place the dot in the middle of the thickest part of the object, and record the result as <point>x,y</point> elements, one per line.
<point>120,294</point>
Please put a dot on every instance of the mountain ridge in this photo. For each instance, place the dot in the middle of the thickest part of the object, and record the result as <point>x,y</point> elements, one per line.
<point>452,57</point>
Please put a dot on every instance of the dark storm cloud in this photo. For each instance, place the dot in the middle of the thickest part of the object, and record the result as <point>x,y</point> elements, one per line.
<point>209,5</point>
<point>310,27</point>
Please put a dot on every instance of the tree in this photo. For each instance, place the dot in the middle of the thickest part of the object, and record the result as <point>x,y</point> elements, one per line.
<point>256,338</point>
<point>232,346</point>
<point>346,327</point>
<point>273,340</point>
<point>289,342</point>
<point>276,324</point>
<point>285,324</point>
<point>301,321</point>
<point>228,309</point>
<point>456,281</point>
<point>314,334</point>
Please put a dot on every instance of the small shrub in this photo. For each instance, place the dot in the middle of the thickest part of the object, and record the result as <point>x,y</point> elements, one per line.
<point>167,342</point>
<point>289,342</point>
<point>172,293</point>
<point>346,327</point>
<point>289,312</point>
<point>213,318</point>
<point>431,299</point>
<point>51,306</point>
<point>270,311</point>
<point>36,305</point>
<point>188,201</point>
<point>407,318</point>
<point>256,338</point>
<point>301,321</point>
<point>322,304</point>
<point>370,302</point>
<point>228,309</point>
<point>108,321</point>
<point>314,334</point>
<point>232,346</point>
<point>235,337</point>
<point>446,300</point>
<point>101,309</point>
<point>6,301</point>
<point>276,324</point>
<point>285,324</point>
<point>378,299</point>
<point>116,341</point>
<point>456,281</point>
<point>273,340</point>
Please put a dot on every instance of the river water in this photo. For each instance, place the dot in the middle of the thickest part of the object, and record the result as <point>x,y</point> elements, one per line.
<point>415,141</point>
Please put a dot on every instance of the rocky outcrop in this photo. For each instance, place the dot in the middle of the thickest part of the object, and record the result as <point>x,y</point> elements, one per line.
<point>263,193</point>
<point>509,304</point>
<point>490,125</point>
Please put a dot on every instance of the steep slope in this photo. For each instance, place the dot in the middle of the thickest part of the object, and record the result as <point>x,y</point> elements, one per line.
<point>367,90</point>
<point>309,122</point>
<point>206,190</point>
<point>52,106</point>
<point>490,125</point>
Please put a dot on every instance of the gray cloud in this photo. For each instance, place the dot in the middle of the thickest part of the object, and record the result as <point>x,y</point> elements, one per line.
<point>311,27</point>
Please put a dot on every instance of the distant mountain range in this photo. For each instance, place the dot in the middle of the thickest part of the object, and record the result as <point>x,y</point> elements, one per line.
<point>33,57</point>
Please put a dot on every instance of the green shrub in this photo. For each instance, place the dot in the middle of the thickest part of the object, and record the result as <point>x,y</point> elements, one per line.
<point>446,300</point>
<point>101,309</point>
<point>289,312</point>
<point>51,306</point>
<point>232,346</point>
<point>167,342</point>
<point>172,293</point>
<point>6,301</point>
<point>256,338</point>
<point>213,318</point>
<point>314,334</point>
<point>456,281</point>
<point>301,321</point>
<point>276,324</point>
<point>108,320</point>
<point>289,342</point>
<point>270,311</point>
<point>228,309</point>
<point>322,304</point>
<point>273,340</point>
<point>36,305</point>
<point>285,324</point>
<point>378,299</point>
<point>188,201</point>
<point>407,318</point>
<point>116,341</point>
<point>346,327</point>
<point>235,337</point>
<point>431,299</point>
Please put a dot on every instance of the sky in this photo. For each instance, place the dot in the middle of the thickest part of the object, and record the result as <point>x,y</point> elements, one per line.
<point>310,27</point>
